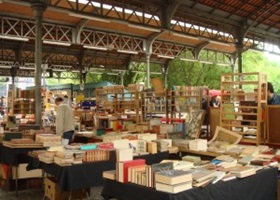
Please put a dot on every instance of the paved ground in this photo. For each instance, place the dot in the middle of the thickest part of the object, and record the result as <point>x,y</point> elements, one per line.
<point>38,194</point>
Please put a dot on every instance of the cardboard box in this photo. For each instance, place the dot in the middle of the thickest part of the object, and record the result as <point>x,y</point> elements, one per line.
<point>53,192</point>
<point>22,173</point>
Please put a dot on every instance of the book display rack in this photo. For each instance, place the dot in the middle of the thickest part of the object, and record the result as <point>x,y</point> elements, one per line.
<point>117,100</point>
<point>185,98</point>
<point>154,104</point>
<point>243,102</point>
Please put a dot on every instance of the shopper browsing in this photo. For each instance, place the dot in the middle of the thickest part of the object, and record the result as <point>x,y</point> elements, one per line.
<point>272,98</point>
<point>65,121</point>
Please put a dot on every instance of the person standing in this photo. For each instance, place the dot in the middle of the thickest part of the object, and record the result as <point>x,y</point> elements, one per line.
<point>272,98</point>
<point>65,121</point>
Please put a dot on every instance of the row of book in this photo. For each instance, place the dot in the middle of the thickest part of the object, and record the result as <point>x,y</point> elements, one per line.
<point>174,176</point>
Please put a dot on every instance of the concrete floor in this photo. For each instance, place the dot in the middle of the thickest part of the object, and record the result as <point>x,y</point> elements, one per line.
<point>38,194</point>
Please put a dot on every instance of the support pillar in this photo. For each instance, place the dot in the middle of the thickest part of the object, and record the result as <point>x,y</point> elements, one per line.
<point>148,81</point>
<point>13,74</point>
<point>38,7</point>
<point>239,57</point>
<point>122,75</point>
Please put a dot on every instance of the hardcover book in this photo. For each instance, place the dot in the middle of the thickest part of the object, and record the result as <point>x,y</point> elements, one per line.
<point>111,174</point>
<point>152,147</point>
<point>173,177</point>
<point>122,168</point>
<point>173,188</point>
<point>124,154</point>
<point>133,170</point>
<point>159,167</point>
<point>202,174</point>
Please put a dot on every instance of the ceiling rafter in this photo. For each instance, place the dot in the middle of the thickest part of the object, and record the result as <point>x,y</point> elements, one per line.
<point>205,20</point>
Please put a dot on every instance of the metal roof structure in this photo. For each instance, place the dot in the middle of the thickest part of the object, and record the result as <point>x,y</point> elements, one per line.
<point>79,35</point>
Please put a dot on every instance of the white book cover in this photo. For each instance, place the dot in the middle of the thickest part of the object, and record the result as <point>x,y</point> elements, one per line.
<point>124,154</point>
<point>121,144</point>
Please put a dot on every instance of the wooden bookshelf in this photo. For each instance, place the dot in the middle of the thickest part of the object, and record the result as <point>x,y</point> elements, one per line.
<point>243,103</point>
<point>155,104</point>
<point>117,100</point>
<point>184,98</point>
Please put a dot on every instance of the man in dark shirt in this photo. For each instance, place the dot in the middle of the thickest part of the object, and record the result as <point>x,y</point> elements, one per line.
<point>272,98</point>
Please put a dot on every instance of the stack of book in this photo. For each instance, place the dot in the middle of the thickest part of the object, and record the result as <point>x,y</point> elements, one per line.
<point>202,177</point>
<point>173,181</point>
<point>242,171</point>
<point>47,157</point>
<point>63,158</point>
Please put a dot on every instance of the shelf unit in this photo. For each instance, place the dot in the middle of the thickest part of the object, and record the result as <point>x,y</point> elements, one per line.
<point>24,106</point>
<point>155,104</point>
<point>243,103</point>
<point>185,98</point>
<point>117,100</point>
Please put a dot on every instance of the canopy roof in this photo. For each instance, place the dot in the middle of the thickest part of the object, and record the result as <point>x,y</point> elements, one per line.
<point>110,34</point>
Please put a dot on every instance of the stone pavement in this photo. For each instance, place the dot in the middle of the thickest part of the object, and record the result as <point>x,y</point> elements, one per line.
<point>38,194</point>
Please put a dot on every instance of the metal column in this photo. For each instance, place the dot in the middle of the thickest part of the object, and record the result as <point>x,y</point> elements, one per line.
<point>38,7</point>
<point>148,56</point>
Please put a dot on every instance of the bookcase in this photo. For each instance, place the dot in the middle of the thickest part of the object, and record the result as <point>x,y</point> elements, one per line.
<point>117,100</point>
<point>243,103</point>
<point>184,98</point>
<point>155,104</point>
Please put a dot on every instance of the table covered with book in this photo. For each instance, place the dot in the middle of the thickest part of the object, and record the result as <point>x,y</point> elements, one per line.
<point>12,154</point>
<point>260,186</point>
<point>84,175</point>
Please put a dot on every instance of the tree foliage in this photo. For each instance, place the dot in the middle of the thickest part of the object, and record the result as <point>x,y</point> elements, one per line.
<point>258,62</point>
<point>188,73</point>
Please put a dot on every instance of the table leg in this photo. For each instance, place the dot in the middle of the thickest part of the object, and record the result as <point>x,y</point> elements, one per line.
<point>88,195</point>
<point>16,180</point>
<point>70,196</point>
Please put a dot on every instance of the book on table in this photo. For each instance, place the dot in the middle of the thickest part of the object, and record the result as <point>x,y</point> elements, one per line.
<point>202,175</point>
<point>110,174</point>
<point>122,168</point>
<point>173,188</point>
<point>219,175</point>
<point>246,174</point>
<point>264,162</point>
<point>173,177</point>
<point>203,183</point>
<point>245,160</point>
<point>183,165</point>
<point>242,171</point>
<point>189,158</point>
<point>124,154</point>
<point>239,169</point>
<point>159,167</point>
<point>133,172</point>
<point>229,177</point>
